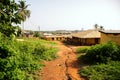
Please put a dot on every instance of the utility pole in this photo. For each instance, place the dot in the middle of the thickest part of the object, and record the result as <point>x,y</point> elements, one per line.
<point>39,28</point>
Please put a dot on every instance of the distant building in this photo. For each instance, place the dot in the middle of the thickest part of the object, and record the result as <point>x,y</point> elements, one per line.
<point>110,35</point>
<point>55,38</point>
<point>87,37</point>
<point>47,34</point>
<point>28,33</point>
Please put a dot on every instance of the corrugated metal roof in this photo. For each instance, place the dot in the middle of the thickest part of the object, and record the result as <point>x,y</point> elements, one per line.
<point>87,34</point>
<point>110,31</point>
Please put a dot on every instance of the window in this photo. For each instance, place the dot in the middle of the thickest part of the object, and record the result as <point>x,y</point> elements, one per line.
<point>52,38</point>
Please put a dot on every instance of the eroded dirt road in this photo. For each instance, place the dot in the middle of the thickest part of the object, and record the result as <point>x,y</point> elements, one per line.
<point>65,67</point>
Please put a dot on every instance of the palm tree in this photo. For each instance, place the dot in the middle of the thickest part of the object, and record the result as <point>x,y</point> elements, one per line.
<point>101,28</point>
<point>23,11</point>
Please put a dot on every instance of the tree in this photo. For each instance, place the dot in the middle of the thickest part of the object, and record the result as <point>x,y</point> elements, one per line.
<point>101,28</point>
<point>8,12</point>
<point>96,26</point>
<point>23,11</point>
<point>8,17</point>
<point>36,34</point>
<point>11,14</point>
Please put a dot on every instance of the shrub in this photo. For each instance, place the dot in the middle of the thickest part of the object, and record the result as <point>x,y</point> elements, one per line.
<point>17,61</point>
<point>82,50</point>
<point>44,53</point>
<point>9,62</point>
<point>102,53</point>
<point>109,71</point>
<point>7,29</point>
<point>106,56</point>
<point>36,34</point>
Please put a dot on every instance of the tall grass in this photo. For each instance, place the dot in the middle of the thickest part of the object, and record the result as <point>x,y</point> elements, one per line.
<point>109,71</point>
<point>20,59</point>
<point>104,60</point>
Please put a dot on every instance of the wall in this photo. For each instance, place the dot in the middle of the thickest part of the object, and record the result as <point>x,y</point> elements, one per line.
<point>92,41</point>
<point>110,37</point>
<point>55,38</point>
<point>76,40</point>
<point>86,41</point>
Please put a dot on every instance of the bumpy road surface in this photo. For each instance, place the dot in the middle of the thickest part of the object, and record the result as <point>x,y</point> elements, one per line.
<point>65,67</point>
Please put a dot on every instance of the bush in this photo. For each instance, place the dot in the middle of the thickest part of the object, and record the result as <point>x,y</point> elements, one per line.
<point>106,60</point>
<point>7,29</point>
<point>82,50</point>
<point>45,53</point>
<point>17,61</point>
<point>36,34</point>
<point>109,71</point>
<point>103,53</point>
<point>9,63</point>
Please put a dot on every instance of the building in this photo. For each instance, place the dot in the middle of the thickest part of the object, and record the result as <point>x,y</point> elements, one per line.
<point>110,35</point>
<point>47,34</point>
<point>55,38</point>
<point>88,37</point>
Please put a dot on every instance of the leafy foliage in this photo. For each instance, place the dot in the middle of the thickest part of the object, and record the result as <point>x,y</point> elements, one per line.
<point>8,12</point>
<point>45,53</point>
<point>103,53</point>
<point>7,29</point>
<point>23,11</point>
<point>36,34</point>
<point>105,59</point>
<point>17,61</point>
<point>109,71</point>
<point>11,13</point>
<point>82,50</point>
<point>9,62</point>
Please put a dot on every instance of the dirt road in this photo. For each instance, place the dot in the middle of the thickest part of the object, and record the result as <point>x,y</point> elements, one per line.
<point>65,67</point>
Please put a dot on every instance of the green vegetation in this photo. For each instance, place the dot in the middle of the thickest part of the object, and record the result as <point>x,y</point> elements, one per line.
<point>11,14</point>
<point>8,17</point>
<point>109,71</point>
<point>20,59</point>
<point>82,49</point>
<point>103,53</point>
<point>104,60</point>
<point>37,34</point>
<point>23,11</point>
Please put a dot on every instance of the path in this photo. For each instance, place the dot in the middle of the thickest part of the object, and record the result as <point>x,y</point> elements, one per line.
<point>65,67</point>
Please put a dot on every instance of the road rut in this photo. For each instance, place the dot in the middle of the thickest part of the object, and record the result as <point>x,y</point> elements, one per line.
<point>65,67</point>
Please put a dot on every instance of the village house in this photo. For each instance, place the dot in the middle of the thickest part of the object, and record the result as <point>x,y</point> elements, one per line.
<point>110,35</point>
<point>55,38</point>
<point>87,37</point>
<point>28,33</point>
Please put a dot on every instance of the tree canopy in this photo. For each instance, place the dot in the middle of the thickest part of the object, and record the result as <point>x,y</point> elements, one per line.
<point>97,27</point>
<point>23,11</point>
<point>9,16</point>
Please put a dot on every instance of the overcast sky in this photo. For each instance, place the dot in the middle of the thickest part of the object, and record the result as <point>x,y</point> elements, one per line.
<point>73,14</point>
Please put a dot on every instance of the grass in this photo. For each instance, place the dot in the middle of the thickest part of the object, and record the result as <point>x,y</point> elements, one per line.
<point>102,62</point>
<point>82,49</point>
<point>20,59</point>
